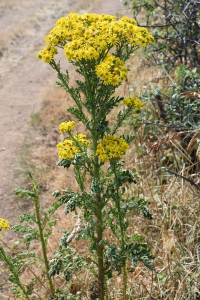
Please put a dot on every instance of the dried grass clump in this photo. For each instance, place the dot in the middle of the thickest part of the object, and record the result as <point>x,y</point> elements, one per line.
<point>173,235</point>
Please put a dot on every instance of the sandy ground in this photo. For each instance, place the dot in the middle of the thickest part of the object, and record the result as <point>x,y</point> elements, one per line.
<point>24,79</point>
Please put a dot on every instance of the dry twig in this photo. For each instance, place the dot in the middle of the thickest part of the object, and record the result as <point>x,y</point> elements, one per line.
<point>191,94</point>
<point>158,144</point>
<point>76,229</point>
<point>191,143</point>
<point>185,178</point>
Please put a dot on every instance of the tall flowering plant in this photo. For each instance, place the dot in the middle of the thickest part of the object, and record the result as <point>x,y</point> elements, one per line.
<point>98,46</point>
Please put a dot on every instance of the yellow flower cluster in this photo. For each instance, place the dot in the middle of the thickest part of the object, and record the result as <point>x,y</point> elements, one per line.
<point>68,148</point>
<point>4,224</point>
<point>87,36</point>
<point>134,102</point>
<point>47,54</point>
<point>111,147</point>
<point>111,70</point>
<point>66,126</point>
<point>77,50</point>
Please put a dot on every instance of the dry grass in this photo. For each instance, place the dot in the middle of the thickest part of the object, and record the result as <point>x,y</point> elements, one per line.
<point>174,232</point>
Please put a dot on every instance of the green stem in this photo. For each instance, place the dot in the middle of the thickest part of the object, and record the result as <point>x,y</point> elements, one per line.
<point>123,246</point>
<point>44,249</point>
<point>5,259</point>
<point>100,228</point>
<point>124,268</point>
<point>122,238</point>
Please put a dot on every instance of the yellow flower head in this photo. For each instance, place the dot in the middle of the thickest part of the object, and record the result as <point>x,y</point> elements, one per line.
<point>66,126</point>
<point>111,148</point>
<point>47,54</point>
<point>68,148</point>
<point>100,32</point>
<point>111,70</point>
<point>4,225</point>
<point>133,102</point>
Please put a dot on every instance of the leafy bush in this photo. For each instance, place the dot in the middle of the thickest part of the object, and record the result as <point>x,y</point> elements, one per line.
<point>178,103</point>
<point>175,28</point>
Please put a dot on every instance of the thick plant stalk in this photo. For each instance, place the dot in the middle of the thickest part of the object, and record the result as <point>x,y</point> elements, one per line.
<point>100,229</point>
<point>44,250</point>
<point>122,239</point>
<point>123,245</point>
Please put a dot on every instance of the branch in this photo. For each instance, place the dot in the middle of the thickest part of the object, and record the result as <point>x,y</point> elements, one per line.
<point>185,178</point>
<point>157,25</point>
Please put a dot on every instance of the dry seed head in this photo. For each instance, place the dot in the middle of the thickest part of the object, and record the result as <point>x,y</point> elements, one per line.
<point>191,143</point>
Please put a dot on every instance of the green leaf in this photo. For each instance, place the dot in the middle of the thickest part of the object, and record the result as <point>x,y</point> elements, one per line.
<point>64,163</point>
